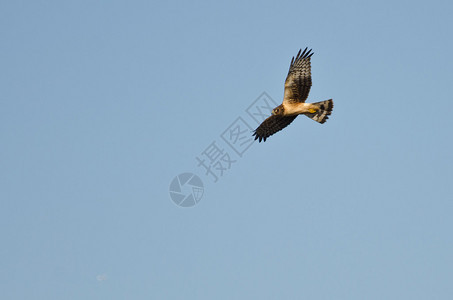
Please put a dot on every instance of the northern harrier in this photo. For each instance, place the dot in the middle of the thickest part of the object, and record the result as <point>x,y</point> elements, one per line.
<point>297,87</point>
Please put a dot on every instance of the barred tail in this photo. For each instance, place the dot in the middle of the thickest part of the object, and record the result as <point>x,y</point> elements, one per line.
<point>325,109</point>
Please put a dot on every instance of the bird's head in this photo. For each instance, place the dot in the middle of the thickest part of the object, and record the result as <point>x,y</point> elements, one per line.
<point>278,110</point>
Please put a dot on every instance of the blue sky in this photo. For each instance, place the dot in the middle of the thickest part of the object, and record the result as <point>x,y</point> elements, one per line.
<point>103,103</point>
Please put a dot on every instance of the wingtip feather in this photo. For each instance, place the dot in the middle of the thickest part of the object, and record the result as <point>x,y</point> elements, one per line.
<point>306,54</point>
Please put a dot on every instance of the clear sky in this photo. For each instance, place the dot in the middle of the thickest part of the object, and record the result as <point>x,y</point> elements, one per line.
<point>103,103</point>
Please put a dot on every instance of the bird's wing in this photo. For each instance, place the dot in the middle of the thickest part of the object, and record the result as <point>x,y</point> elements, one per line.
<point>272,125</point>
<point>298,80</point>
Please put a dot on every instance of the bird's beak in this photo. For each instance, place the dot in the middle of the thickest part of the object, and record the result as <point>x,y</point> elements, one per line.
<point>272,113</point>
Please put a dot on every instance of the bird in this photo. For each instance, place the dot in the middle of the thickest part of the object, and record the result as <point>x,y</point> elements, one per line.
<point>297,87</point>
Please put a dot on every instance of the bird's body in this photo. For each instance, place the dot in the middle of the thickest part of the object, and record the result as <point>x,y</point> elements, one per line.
<point>297,87</point>
<point>299,108</point>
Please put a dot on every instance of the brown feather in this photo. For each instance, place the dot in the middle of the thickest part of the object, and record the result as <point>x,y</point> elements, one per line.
<point>271,125</point>
<point>298,80</point>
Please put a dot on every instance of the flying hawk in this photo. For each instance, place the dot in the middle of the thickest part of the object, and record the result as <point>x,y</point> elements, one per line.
<point>297,87</point>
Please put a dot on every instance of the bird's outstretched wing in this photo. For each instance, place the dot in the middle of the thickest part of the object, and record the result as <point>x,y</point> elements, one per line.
<point>298,80</point>
<point>272,125</point>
